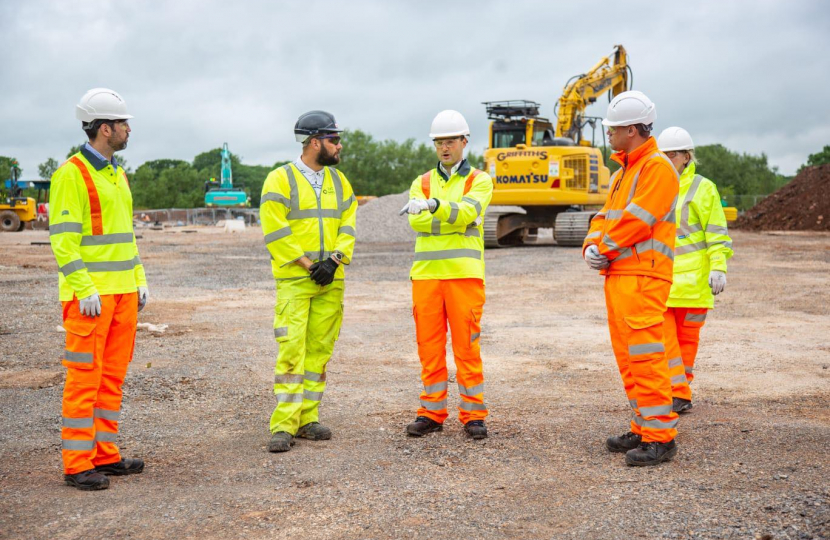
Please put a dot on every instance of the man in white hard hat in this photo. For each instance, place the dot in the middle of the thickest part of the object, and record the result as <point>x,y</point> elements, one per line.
<point>631,243</point>
<point>102,288</point>
<point>702,248</point>
<point>446,209</point>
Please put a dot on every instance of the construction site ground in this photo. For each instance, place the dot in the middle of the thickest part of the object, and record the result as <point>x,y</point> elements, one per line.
<point>753,455</point>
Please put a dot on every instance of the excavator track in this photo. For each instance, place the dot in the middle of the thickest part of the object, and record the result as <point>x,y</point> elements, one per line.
<point>571,228</point>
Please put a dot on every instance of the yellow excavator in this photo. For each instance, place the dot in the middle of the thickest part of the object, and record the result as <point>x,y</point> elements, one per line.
<point>549,174</point>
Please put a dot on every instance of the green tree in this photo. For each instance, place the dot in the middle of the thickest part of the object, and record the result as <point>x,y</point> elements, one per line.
<point>6,169</point>
<point>48,168</point>
<point>819,158</point>
<point>744,174</point>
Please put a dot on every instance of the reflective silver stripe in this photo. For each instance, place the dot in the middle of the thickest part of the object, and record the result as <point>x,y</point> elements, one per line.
<point>614,214</point>
<point>657,410</point>
<point>594,234</point>
<point>447,254</point>
<point>453,213</point>
<point>633,403</point>
<point>434,405</point>
<point>695,317</point>
<point>107,239</point>
<point>716,242</point>
<point>684,228</point>
<point>641,213</point>
<point>77,422</point>
<point>73,266</point>
<point>689,369</point>
<point>670,214</point>
<point>608,241</point>
<point>276,235</point>
<point>107,414</point>
<point>345,205</point>
<point>312,396</point>
<point>289,378</point>
<point>315,377</point>
<point>655,245</point>
<point>717,229</point>
<point>467,406</point>
<point>598,215</point>
<point>105,436</point>
<point>313,213</point>
<point>633,186</point>
<point>113,266</point>
<point>470,200</point>
<point>474,337</point>
<point>281,331</point>
<point>624,254</point>
<point>274,197</point>
<point>437,387</point>
<point>655,424</point>
<point>674,362</point>
<point>346,229</point>
<point>435,227</point>
<point>678,379</point>
<point>67,226</point>
<point>690,229</point>
<point>315,255</point>
<point>338,186</point>
<point>137,260</point>
<point>471,391</point>
<point>472,232</point>
<point>74,444</point>
<point>645,348</point>
<point>293,193</point>
<point>690,248</point>
<point>79,357</point>
<point>290,398</point>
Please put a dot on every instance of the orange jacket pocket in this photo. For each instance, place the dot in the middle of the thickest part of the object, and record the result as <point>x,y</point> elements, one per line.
<point>80,342</point>
<point>640,322</point>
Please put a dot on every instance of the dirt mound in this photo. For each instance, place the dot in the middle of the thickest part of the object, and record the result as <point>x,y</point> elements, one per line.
<point>801,205</point>
<point>379,221</point>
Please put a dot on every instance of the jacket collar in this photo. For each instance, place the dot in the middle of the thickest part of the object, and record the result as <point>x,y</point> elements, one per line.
<point>644,150</point>
<point>688,174</point>
<point>463,169</point>
<point>95,158</point>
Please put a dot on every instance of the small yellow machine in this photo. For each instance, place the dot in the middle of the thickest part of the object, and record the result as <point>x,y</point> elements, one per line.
<point>550,171</point>
<point>16,211</point>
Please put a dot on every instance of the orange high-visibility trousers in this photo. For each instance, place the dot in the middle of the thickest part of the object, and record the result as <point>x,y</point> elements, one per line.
<point>635,307</point>
<point>681,328</point>
<point>98,351</point>
<point>459,302</point>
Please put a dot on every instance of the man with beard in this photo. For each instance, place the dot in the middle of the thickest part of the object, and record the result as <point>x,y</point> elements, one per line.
<point>308,212</point>
<point>102,288</point>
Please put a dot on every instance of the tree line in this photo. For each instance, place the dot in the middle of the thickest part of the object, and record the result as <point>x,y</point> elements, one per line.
<point>381,167</point>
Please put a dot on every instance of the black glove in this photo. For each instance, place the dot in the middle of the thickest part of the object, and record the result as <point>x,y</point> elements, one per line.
<point>322,273</point>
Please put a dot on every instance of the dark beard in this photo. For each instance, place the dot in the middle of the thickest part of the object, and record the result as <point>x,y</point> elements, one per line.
<point>326,159</point>
<point>116,147</point>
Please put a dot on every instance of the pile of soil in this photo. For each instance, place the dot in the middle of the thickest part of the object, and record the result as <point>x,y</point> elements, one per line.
<point>801,205</point>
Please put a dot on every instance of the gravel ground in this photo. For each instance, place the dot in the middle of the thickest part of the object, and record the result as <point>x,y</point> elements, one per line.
<point>379,220</point>
<point>753,459</point>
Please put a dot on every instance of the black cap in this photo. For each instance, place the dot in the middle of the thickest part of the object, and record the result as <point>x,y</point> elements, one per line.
<point>314,123</point>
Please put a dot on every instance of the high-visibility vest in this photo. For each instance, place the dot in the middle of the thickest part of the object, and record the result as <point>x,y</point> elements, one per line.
<point>449,245</point>
<point>635,229</point>
<point>703,242</point>
<point>297,222</point>
<point>91,229</point>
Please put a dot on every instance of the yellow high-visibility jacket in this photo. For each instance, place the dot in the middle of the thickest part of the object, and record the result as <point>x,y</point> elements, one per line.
<point>702,244</point>
<point>91,229</point>
<point>449,245</point>
<point>296,222</point>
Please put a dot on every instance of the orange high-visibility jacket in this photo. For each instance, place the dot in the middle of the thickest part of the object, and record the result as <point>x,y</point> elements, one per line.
<point>636,227</point>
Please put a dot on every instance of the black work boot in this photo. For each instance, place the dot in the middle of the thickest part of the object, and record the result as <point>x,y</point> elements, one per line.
<point>281,441</point>
<point>87,480</point>
<point>623,443</point>
<point>313,431</point>
<point>120,468</point>
<point>476,429</point>
<point>423,425</point>
<point>651,453</point>
<point>680,405</point>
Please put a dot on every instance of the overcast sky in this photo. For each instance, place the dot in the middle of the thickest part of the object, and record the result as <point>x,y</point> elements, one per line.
<point>751,75</point>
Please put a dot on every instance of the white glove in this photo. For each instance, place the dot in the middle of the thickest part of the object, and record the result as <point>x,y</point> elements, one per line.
<point>143,296</point>
<point>416,206</point>
<point>595,260</point>
<point>91,305</point>
<point>717,281</point>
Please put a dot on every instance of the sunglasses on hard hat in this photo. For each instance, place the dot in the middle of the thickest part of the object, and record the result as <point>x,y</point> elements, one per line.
<point>335,139</point>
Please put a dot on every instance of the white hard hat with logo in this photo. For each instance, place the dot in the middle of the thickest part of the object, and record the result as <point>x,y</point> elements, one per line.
<point>675,138</point>
<point>101,104</point>
<point>629,108</point>
<point>449,124</point>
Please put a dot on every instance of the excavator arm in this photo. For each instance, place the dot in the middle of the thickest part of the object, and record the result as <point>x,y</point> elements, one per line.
<point>610,73</point>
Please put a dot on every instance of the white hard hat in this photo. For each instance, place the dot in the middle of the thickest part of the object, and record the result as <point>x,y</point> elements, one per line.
<point>675,138</point>
<point>630,108</point>
<point>449,124</point>
<point>101,104</point>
